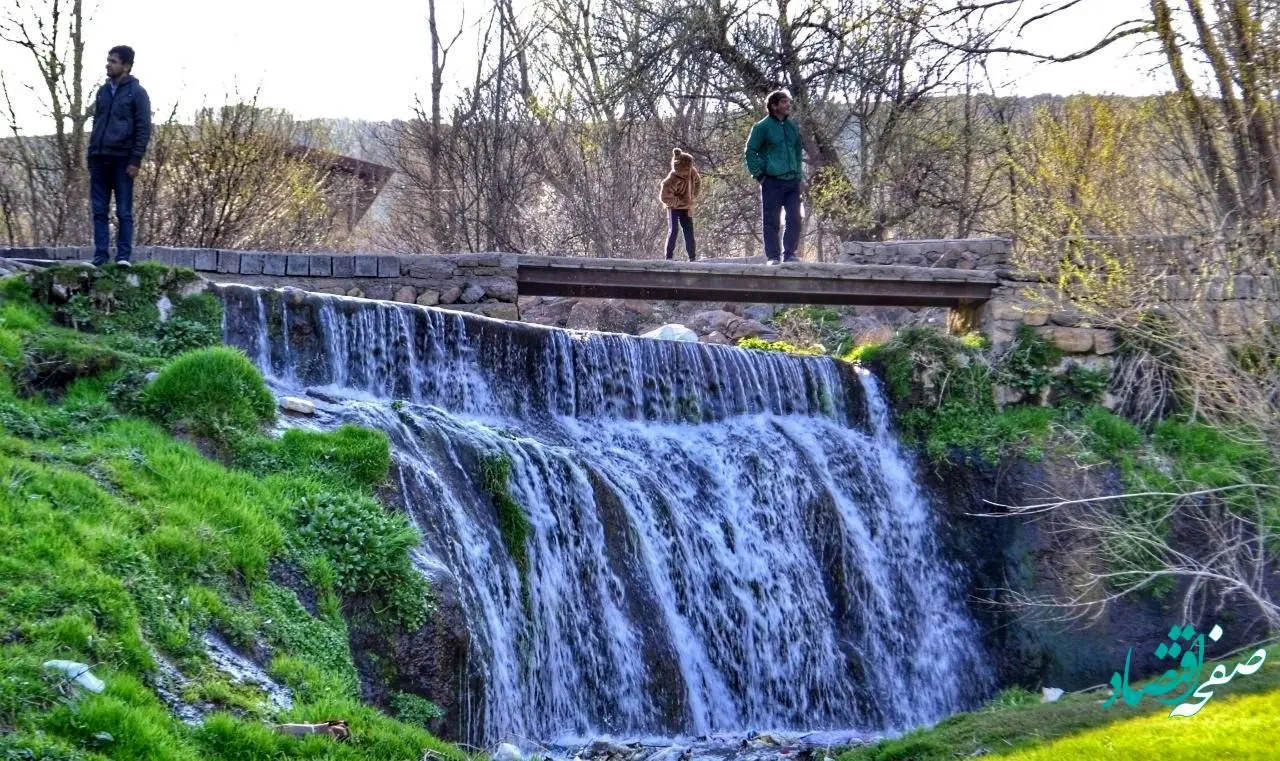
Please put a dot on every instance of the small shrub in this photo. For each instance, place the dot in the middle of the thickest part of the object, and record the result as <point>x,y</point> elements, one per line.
<point>179,335</point>
<point>1028,364</point>
<point>1080,387</point>
<point>367,548</point>
<point>217,391</point>
<point>415,710</point>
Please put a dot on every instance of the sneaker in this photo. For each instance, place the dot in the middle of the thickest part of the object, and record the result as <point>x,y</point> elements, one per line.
<point>789,260</point>
<point>123,263</point>
<point>773,262</point>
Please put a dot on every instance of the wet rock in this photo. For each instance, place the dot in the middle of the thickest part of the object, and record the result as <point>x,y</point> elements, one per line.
<point>165,307</point>
<point>672,332</point>
<point>323,396</point>
<point>297,406</point>
<point>59,294</point>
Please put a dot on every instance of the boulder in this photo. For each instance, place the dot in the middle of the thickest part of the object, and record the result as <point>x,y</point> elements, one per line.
<point>405,295</point>
<point>355,292</point>
<point>1105,342</point>
<point>298,406</point>
<point>507,752</point>
<point>672,332</point>
<point>1070,340</point>
<point>710,322</point>
<point>428,298</point>
<point>472,294</point>
<point>717,337</point>
<point>451,295</point>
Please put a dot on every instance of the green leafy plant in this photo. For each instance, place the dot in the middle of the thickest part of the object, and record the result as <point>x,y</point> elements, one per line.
<point>414,709</point>
<point>760,344</point>
<point>367,548</point>
<point>1028,364</point>
<point>1080,387</point>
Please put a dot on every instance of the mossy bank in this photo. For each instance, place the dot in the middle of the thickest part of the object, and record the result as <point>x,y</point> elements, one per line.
<point>145,510</point>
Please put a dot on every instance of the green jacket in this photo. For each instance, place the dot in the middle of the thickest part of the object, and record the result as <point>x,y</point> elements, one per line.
<point>773,149</point>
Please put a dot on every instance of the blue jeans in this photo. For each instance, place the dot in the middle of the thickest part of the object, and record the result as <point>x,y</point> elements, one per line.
<point>107,177</point>
<point>776,195</point>
<point>679,220</point>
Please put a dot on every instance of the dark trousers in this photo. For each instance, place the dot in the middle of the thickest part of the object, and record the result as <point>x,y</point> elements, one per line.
<point>677,220</point>
<point>776,195</point>
<point>107,178</point>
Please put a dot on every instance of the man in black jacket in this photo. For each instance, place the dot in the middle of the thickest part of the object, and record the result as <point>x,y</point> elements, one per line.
<point>121,131</point>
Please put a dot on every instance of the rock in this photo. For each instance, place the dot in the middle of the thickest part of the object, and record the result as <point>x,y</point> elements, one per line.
<point>323,396</point>
<point>79,673</point>
<point>295,296</point>
<point>151,376</point>
<point>428,298</point>
<point>712,321</point>
<point>1110,401</point>
<point>742,328</point>
<point>1006,396</point>
<point>759,312</point>
<point>59,294</point>
<point>472,294</point>
<point>406,295</point>
<point>451,295</point>
<point>1035,319</point>
<point>500,288</point>
<point>1105,342</point>
<point>165,307</point>
<point>643,308</point>
<point>672,332</point>
<point>1050,695</point>
<point>1070,340</point>
<point>507,752</point>
<point>604,749</point>
<point>355,292</point>
<point>133,280</point>
<point>296,405</point>
<point>717,337</point>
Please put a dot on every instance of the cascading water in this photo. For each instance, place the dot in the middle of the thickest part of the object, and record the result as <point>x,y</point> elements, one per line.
<point>722,540</point>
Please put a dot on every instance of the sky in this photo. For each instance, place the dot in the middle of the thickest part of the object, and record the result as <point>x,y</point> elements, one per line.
<point>370,59</point>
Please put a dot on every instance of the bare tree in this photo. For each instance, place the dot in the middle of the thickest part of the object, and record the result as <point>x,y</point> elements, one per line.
<point>53,171</point>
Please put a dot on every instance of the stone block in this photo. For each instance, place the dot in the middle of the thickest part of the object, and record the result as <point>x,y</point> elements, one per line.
<point>1035,318</point>
<point>1105,342</point>
<point>228,261</point>
<point>297,264</point>
<point>388,266</point>
<point>66,253</point>
<point>344,266</point>
<point>251,263</point>
<point>366,266</point>
<point>431,267</point>
<point>162,254</point>
<point>275,264</point>
<point>321,265</point>
<point>184,257</point>
<point>500,288</point>
<point>206,260</point>
<point>382,291</point>
<point>495,310</point>
<point>1070,340</point>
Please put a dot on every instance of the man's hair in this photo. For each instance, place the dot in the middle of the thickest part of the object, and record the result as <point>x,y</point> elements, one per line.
<point>775,98</point>
<point>123,52</point>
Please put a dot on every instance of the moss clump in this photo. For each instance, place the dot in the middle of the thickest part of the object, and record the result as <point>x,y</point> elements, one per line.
<point>217,392</point>
<point>513,524</point>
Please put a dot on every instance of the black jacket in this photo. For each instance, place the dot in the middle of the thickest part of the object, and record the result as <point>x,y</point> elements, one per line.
<point>121,121</point>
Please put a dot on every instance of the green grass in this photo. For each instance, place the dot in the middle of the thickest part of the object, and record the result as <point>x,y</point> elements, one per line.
<point>1241,721</point>
<point>118,542</point>
<point>760,344</point>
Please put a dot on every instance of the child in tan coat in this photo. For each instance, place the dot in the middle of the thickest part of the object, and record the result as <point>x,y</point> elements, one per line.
<point>680,190</point>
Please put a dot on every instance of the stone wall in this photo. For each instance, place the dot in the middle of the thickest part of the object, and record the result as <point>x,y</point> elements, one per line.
<point>962,254</point>
<point>479,283</point>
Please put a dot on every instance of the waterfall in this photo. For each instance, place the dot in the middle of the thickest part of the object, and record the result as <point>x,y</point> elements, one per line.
<point>722,540</point>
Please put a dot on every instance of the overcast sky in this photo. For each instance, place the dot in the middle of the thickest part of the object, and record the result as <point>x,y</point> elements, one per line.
<point>368,59</point>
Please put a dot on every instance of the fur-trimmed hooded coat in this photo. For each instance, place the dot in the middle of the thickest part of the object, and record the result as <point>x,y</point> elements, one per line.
<point>682,184</point>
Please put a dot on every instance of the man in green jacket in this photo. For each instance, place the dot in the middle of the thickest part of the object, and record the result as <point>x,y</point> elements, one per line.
<point>773,157</point>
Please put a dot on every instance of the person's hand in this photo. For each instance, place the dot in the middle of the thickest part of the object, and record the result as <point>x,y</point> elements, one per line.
<point>132,171</point>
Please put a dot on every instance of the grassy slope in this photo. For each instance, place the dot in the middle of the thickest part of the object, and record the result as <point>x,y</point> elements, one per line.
<point>118,541</point>
<point>1242,721</point>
